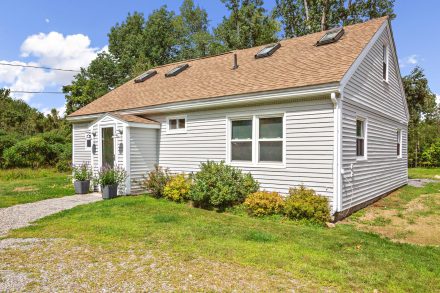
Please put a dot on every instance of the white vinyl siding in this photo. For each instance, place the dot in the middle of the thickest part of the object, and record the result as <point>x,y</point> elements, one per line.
<point>143,155</point>
<point>80,153</point>
<point>309,144</point>
<point>382,105</point>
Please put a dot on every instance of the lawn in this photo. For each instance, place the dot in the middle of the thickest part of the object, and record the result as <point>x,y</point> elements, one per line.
<point>138,243</point>
<point>428,173</point>
<point>19,186</point>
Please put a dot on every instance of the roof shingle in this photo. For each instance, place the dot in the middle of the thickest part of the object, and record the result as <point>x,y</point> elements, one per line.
<point>298,63</point>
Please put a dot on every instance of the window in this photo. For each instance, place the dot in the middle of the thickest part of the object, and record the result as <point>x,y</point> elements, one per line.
<point>267,51</point>
<point>385,62</point>
<point>399,143</point>
<point>331,36</point>
<point>360,138</point>
<point>88,141</point>
<point>270,139</point>
<point>177,124</point>
<point>175,71</point>
<point>241,140</point>
<point>257,139</point>
<point>144,76</point>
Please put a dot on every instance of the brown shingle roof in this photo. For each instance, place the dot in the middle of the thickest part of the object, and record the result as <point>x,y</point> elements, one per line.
<point>298,63</point>
<point>135,119</point>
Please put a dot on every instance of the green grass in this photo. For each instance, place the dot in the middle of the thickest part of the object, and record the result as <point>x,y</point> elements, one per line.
<point>19,186</point>
<point>428,173</point>
<point>342,258</point>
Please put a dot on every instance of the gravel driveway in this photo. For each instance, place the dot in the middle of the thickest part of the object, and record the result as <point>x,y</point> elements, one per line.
<point>24,214</point>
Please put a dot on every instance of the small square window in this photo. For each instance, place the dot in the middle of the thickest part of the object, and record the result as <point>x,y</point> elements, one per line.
<point>176,124</point>
<point>88,141</point>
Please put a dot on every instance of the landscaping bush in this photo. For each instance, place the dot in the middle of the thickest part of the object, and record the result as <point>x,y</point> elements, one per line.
<point>431,155</point>
<point>264,203</point>
<point>304,204</point>
<point>82,172</point>
<point>177,189</point>
<point>156,180</point>
<point>6,141</point>
<point>32,152</point>
<point>218,185</point>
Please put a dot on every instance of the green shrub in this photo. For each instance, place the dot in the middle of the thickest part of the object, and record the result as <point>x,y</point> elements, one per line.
<point>177,189</point>
<point>32,152</point>
<point>109,176</point>
<point>6,141</point>
<point>156,180</point>
<point>218,185</point>
<point>82,172</point>
<point>431,155</point>
<point>304,204</point>
<point>264,203</point>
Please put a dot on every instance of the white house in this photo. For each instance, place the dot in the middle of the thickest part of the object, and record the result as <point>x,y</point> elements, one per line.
<point>326,110</point>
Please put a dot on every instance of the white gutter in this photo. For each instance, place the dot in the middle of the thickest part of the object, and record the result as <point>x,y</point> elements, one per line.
<point>236,100</point>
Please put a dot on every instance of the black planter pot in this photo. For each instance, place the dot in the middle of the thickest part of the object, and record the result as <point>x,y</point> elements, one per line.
<point>109,191</point>
<point>82,187</point>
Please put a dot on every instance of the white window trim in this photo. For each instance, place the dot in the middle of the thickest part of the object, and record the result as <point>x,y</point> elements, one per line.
<point>400,146</point>
<point>365,156</point>
<point>177,130</point>
<point>255,140</point>
<point>387,58</point>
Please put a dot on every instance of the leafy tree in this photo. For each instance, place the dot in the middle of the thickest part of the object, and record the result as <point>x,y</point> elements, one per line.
<point>248,25</point>
<point>193,25</point>
<point>301,17</point>
<point>102,75</point>
<point>424,125</point>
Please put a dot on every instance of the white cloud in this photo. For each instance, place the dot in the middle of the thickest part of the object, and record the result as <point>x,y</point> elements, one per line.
<point>47,20</point>
<point>411,60</point>
<point>61,110</point>
<point>49,50</point>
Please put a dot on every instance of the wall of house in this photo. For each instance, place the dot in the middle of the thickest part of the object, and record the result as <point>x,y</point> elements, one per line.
<point>80,153</point>
<point>143,155</point>
<point>366,95</point>
<point>309,144</point>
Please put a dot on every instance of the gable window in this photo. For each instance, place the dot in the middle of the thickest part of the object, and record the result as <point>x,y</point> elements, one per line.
<point>241,140</point>
<point>270,139</point>
<point>385,62</point>
<point>177,124</point>
<point>399,143</point>
<point>88,145</point>
<point>360,138</point>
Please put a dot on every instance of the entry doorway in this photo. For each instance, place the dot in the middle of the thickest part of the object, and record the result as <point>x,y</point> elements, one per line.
<point>108,147</point>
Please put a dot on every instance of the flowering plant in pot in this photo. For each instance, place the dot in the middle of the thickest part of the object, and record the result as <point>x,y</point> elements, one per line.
<point>82,175</point>
<point>109,178</point>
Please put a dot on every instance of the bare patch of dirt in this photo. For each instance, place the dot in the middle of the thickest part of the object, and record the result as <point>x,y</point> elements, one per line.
<point>417,221</point>
<point>25,189</point>
<point>61,265</point>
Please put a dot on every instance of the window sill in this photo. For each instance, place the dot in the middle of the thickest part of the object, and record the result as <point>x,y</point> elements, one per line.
<point>258,165</point>
<point>361,159</point>
<point>176,131</point>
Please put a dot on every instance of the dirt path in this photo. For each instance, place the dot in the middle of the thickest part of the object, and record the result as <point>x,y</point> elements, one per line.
<point>24,214</point>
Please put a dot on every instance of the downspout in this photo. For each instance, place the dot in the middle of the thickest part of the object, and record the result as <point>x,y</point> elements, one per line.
<point>337,154</point>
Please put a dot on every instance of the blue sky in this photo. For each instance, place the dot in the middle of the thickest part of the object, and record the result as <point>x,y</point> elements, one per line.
<point>68,34</point>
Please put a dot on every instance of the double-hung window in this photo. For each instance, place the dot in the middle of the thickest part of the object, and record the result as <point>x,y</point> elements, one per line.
<point>270,139</point>
<point>399,143</point>
<point>257,139</point>
<point>241,140</point>
<point>360,138</point>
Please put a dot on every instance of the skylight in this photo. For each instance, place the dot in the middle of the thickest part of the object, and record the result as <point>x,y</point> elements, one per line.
<point>331,36</point>
<point>144,76</point>
<point>175,71</point>
<point>267,51</point>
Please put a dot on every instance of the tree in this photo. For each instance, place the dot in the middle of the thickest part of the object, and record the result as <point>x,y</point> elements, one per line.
<point>301,17</point>
<point>102,75</point>
<point>247,26</point>
<point>423,128</point>
<point>193,26</point>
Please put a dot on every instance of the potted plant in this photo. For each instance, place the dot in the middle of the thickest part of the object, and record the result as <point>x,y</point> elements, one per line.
<point>109,179</point>
<point>82,175</point>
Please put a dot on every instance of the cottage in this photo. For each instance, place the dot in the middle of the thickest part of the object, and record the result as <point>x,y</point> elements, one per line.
<point>326,110</point>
